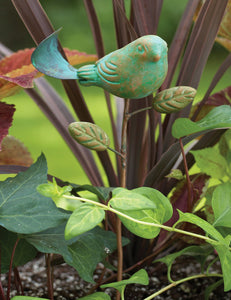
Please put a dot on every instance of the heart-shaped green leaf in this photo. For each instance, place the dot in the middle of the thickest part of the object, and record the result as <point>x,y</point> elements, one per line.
<point>22,208</point>
<point>217,118</point>
<point>140,277</point>
<point>159,213</point>
<point>210,162</point>
<point>96,296</point>
<point>83,219</point>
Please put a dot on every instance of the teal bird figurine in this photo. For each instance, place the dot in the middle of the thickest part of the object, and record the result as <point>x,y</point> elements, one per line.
<point>134,71</point>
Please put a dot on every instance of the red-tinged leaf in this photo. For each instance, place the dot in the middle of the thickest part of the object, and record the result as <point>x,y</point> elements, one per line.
<point>16,70</point>
<point>179,198</point>
<point>6,117</point>
<point>76,58</point>
<point>15,61</point>
<point>13,152</point>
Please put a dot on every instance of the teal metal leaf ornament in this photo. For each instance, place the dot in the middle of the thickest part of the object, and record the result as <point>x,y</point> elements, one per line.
<point>89,135</point>
<point>173,99</point>
<point>134,71</point>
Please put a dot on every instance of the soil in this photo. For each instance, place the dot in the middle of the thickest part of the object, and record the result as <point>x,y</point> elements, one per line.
<point>68,286</point>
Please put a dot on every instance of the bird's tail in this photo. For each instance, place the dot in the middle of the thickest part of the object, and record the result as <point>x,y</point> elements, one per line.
<point>47,59</point>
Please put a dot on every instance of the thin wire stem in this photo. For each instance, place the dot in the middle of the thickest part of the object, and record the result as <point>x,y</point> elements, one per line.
<point>122,184</point>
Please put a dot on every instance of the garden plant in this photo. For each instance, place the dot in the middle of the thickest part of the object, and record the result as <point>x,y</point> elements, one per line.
<point>144,205</point>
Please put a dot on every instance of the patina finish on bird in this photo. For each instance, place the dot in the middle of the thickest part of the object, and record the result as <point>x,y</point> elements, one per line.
<point>134,71</point>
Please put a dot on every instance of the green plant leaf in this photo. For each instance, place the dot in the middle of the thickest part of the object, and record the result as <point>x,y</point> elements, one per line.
<point>83,252</point>
<point>97,296</point>
<point>221,204</point>
<point>225,259</point>
<point>22,208</point>
<point>200,253</point>
<point>161,213</point>
<point>129,200</point>
<point>217,118</point>
<point>83,219</point>
<point>91,248</point>
<point>221,244</point>
<point>208,228</point>
<point>163,206</point>
<point>57,193</point>
<point>27,298</point>
<point>24,251</point>
<point>211,162</point>
<point>140,277</point>
<point>102,192</point>
<point>225,144</point>
<point>89,135</point>
<point>50,241</point>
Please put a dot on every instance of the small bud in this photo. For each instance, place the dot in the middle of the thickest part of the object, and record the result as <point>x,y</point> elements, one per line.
<point>175,174</point>
<point>173,99</point>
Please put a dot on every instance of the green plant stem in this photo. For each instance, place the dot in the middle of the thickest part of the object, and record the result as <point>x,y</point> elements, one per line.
<point>175,283</point>
<point>167,228</point>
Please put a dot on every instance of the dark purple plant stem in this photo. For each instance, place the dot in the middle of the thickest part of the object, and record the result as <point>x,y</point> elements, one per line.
<point>2,296</point>
<point>49,276</point>
<point>189,184</point>
<point>18,282</point>
<point>10,269</point>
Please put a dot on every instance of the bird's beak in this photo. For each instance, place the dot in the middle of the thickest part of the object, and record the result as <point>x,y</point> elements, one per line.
<point>47,59</point>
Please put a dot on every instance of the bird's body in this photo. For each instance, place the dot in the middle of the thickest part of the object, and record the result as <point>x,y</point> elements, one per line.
<point>134,71</point>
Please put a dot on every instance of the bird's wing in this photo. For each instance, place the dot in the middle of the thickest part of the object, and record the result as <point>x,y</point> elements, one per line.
<point>108,71</point>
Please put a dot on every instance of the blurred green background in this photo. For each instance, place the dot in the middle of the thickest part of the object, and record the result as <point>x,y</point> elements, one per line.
<point>29,125</point>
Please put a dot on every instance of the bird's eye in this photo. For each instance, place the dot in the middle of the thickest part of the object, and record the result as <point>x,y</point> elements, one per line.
<point>141,48</point>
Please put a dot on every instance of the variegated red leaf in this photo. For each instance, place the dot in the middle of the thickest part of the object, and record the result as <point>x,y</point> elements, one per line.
<point>13,152</point>
<point>16,70</point>
<point>6,117</point>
